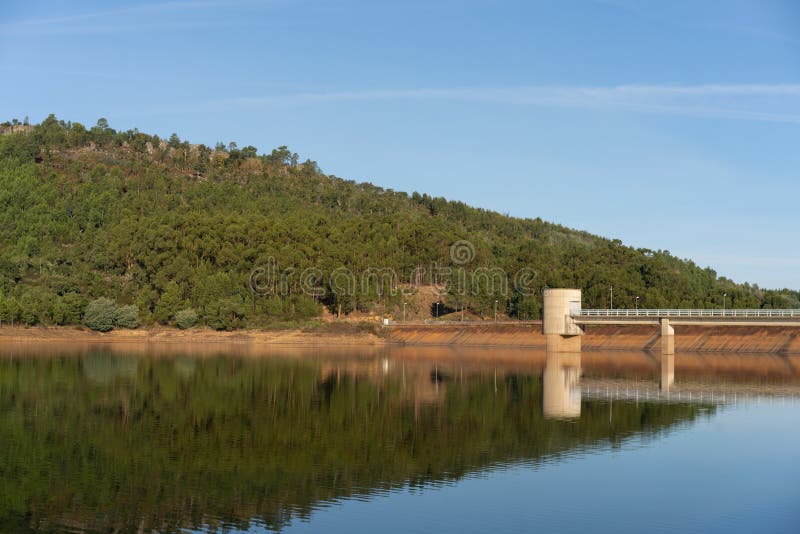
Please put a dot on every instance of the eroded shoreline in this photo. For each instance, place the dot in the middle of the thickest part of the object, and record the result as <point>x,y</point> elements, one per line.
<point>739,339</point>
<point>193,336</point>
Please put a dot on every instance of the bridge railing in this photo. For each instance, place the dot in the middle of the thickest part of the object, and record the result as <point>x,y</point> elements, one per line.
<point>688,313</point>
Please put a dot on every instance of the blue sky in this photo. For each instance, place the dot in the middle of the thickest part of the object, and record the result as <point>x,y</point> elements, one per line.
<point>669,125</point>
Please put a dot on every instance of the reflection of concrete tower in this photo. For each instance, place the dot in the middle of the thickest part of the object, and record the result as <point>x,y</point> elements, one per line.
<point>667,371</point>
<point>561,387</point>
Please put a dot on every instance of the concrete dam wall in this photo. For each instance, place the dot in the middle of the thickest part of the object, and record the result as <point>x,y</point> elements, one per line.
<point>756,339</point>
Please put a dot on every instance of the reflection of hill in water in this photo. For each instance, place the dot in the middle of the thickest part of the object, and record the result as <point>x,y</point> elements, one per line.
<point>97,445</point>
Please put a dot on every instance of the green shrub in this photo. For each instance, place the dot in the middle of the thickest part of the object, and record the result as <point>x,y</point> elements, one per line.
<point>225,314</point>
<point>100,314</point>
<point>185,318</point>
<point>75,305</point>
<point>169,303</point>
<point>10,311</point>
<point>127,317</point>
<point>60,312</point>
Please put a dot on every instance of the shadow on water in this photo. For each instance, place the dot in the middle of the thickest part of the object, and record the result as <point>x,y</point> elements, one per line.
<point>100,441</point>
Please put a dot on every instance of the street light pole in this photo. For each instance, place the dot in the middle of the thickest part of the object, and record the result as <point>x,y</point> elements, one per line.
<point>724,295</point>
<point>404,312</point>
<point>612,296</point>
<point>636,300</point>
<point>437,310</point>
<point>495,311</point>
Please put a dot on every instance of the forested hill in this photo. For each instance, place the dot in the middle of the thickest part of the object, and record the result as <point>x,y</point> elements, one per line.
<point>174,232</point>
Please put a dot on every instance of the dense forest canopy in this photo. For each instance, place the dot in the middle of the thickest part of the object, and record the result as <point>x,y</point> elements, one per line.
<point>172,232</point>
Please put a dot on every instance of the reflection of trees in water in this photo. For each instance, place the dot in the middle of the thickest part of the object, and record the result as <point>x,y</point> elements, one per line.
<point>103,367</point>
<point>172,443</point>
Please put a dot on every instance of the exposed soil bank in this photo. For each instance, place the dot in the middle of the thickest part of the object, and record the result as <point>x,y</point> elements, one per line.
<point>527,335</point>
<point>688,339</point>
<point>784,340</point>
<point>174,335</point>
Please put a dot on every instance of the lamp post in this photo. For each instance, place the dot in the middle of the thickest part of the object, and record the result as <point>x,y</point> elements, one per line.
<point>724,295</point>
<point>437,309</point>
<point>404,312</point>
<point>611,289</point>
<point>636,302</point>
<point>495,311</point>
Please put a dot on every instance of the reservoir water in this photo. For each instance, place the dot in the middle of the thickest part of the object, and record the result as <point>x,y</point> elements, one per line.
<point>228,439</point>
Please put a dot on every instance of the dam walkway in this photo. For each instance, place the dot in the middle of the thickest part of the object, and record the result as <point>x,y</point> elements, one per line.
<point>730,317</point>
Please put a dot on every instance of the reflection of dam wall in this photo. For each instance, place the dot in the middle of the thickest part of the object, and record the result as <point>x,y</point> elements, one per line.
<point>607,337</point>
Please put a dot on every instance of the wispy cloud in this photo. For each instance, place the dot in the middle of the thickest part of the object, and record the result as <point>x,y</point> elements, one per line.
<point>761,102</point>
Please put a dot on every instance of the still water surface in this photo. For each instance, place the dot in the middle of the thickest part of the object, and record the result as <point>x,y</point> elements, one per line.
<point>125,439</point>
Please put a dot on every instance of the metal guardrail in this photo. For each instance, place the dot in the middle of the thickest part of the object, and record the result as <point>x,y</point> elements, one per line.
<point>470,322</point>
<point>688,313</point>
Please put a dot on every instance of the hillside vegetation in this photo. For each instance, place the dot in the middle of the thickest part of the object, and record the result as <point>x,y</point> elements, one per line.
<point>169,227</point>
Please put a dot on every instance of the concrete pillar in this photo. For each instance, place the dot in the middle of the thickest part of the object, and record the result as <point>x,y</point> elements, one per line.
<point>667,355</point>
<point>562,334</point>
<point>667,337</point>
